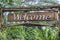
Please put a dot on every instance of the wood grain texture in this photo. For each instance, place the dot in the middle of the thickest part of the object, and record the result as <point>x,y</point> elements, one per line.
<point>33,16</point>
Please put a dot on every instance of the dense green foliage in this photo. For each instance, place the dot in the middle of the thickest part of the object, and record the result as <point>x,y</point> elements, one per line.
<point>19,3</point>
<point>29,33</point>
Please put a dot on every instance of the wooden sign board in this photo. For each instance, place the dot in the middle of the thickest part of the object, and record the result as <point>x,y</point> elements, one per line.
<point>34,16</point>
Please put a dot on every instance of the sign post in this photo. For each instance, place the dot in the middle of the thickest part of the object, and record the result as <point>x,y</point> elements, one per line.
<point>0,17</point>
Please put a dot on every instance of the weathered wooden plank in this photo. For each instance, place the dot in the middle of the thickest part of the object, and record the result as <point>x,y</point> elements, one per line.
<point>26,24</point>
<point>18,9</point>
<point>30,8</point>
<point>0,17</point>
